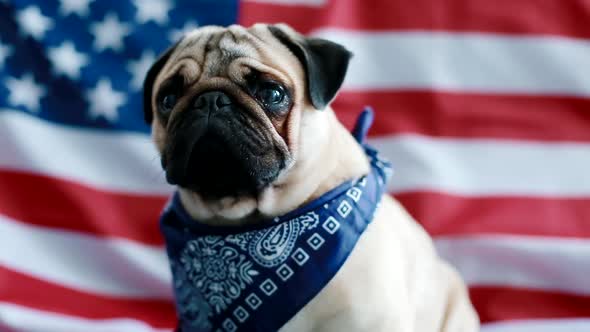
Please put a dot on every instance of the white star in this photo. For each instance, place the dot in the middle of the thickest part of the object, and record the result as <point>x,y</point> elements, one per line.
<point>139,68</point>
<point>5,52</point>
<point>109,33</point>
<point>155,10</point>
<point>31,21</point>
<point>176,34</point>
<point>79,7</point>
<point>104,101</point>
<point>66,60</point>
<point>25,92</point>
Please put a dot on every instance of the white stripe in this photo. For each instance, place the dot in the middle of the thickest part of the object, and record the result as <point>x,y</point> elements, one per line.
<point>105,159</point>
<point>309,3</point>
<point>121,268</point>
<point>128,162</point>
<point>541,325</point>
<point>23,319</point>
<point>105,266</point>
<point>533,262</point>
<point>465,62</point>
<point>487,167</point>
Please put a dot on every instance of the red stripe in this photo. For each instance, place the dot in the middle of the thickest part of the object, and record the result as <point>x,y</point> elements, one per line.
<point>444,214</point>
<point>58,203</point>
<point>465,115</point>
<point>502,303</point>
<point>24,290</point>
<point>549,17</point>
<point>136,217</point>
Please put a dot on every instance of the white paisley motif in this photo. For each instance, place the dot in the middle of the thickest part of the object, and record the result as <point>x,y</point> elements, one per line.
<point>218,271</point>
<point>308,221</point>
<point>272,246</point>
<point>240,239</point>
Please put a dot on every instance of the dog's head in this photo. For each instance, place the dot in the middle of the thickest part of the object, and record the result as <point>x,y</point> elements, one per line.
<point>234,109</point>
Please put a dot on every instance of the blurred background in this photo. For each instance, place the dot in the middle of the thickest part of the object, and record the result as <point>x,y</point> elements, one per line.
<point>482,106</point>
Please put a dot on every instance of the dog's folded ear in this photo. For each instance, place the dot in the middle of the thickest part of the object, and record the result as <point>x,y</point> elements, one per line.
<point>148,83</point>
<point>325,63</point>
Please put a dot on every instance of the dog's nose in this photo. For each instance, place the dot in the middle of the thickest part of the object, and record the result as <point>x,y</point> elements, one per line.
<point>212,101</point>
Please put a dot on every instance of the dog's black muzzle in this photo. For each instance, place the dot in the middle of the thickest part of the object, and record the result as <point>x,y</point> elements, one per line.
<point>219,149</point>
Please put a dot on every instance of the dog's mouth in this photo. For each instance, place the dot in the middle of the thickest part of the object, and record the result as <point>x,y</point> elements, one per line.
<point>215,170</point>
<point>220,157</point>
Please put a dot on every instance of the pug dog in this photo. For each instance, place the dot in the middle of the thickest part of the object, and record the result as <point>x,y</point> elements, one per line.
<point>242,120</point>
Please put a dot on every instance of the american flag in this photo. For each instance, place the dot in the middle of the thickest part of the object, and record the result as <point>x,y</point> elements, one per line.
<point>483,107</point>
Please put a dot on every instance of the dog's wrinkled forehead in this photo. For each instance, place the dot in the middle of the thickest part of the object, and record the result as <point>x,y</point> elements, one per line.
<point>210,52</point>
<point>215,48</point>
<point>225,55</point>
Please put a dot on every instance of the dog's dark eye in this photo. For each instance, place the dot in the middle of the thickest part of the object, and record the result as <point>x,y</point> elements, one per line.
<point>274,97</point>
<point>270,94</point>
<point>168,102</point>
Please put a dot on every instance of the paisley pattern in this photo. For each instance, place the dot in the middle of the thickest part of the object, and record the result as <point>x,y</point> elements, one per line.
<point>308,221</point>
<point>212,272</point>
<point>271,247</point>
<point>218,271</point>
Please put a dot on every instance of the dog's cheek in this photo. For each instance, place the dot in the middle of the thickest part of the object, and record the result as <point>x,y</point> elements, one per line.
<point>312,131</point>
<point>291,129</point>
<point>158,135</point>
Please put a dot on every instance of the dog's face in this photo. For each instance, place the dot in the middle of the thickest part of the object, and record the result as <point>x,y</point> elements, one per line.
<point>228,106</point>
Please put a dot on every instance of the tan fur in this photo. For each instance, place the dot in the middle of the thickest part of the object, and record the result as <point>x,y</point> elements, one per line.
<point>393,281</point>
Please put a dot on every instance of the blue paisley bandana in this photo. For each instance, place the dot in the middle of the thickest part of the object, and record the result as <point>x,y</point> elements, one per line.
<point>256,278</point>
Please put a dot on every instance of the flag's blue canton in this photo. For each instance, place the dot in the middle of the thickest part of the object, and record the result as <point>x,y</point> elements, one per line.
<point>257,277</point>
<point>81,62</point>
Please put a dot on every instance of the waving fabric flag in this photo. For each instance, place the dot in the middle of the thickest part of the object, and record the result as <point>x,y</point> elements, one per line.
<point>483,107</point>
